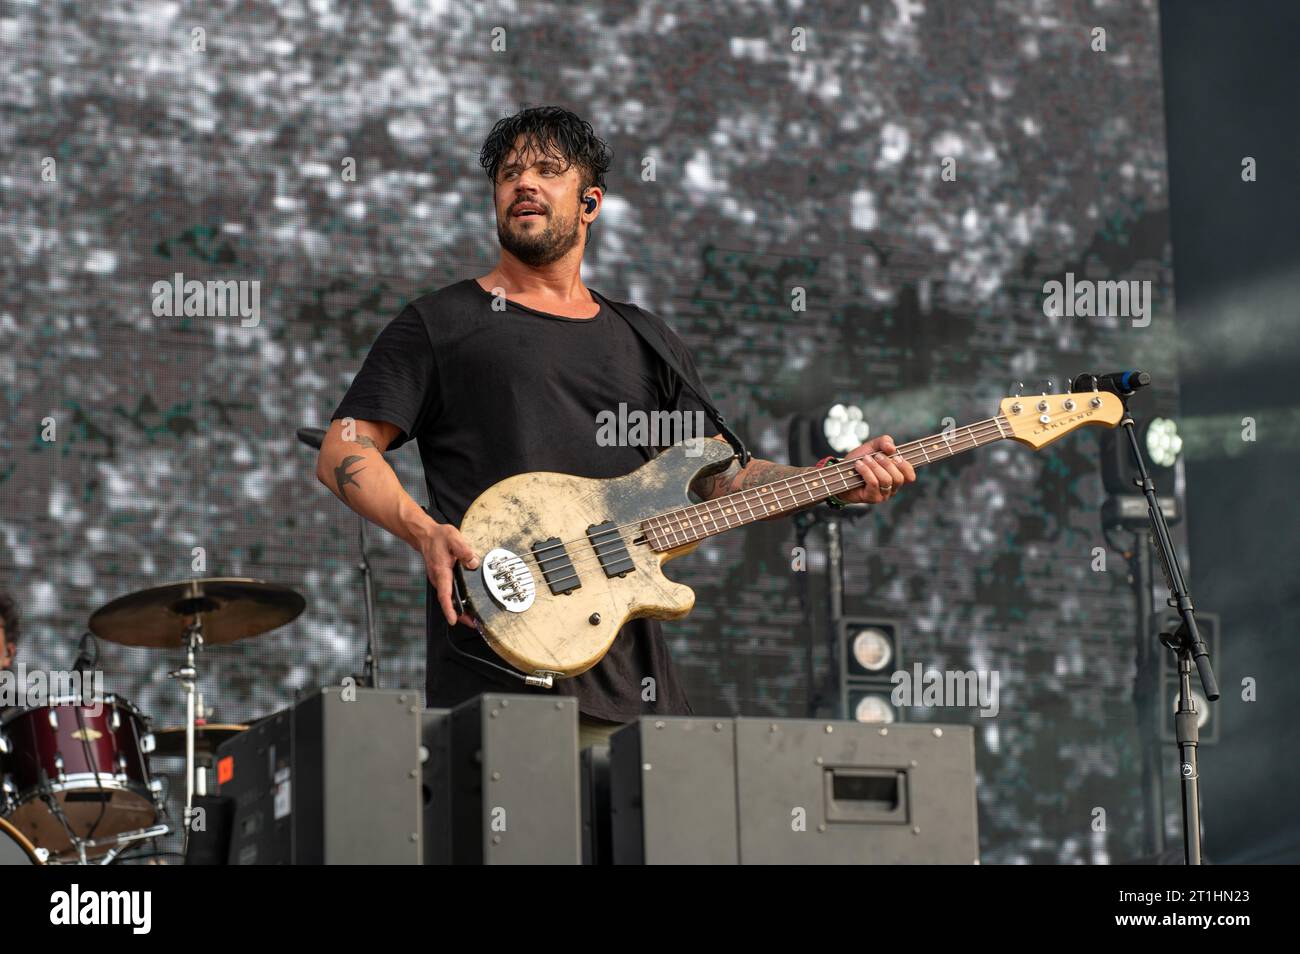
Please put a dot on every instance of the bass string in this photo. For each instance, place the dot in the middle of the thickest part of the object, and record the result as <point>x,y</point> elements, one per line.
<point>973,435</point>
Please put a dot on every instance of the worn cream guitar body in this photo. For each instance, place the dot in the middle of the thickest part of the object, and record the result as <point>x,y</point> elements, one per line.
<point>566,633</point>
<point>565,561</point>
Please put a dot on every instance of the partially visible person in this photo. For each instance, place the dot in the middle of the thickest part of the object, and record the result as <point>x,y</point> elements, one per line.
<point>8,630</point>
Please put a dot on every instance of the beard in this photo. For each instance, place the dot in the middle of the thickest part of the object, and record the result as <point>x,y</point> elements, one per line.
<point>535,246</point>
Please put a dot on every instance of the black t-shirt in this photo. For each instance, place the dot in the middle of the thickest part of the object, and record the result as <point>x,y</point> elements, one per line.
<point>488,394</point>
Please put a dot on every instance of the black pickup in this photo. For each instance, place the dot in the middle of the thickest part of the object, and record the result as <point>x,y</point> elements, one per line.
<point>610,548</point>
<point>556,567</point>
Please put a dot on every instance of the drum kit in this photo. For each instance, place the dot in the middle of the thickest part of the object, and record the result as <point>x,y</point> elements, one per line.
<point>75,779</point>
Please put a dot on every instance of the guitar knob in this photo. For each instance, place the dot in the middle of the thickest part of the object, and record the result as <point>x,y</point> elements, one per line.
<point>1042,405</point>
<point>593,619</point>
<point>1016,408</point>
<point>1095,402</point>
<point>1069,404</point>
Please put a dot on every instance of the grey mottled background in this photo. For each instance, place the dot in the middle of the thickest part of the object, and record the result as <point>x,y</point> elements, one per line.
<point>774,169</point>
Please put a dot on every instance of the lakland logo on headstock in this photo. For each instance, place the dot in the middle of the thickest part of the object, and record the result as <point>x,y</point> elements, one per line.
<point>1037,421</point>
<point>1065,422</point>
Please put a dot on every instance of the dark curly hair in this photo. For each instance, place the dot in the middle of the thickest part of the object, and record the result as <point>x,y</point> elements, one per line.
<point>552,131</point>
<point>9,613</point>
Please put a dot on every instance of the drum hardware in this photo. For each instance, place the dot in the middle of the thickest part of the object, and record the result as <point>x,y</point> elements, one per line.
<point>207,736</point>
<point>115,845</point>
<point>57,812</point>
<point>77,787</point>
<point>189,677</point>
<point>189,615</point>
<point>75,779</point>
<point>230,609</point>
<point>55,809</point>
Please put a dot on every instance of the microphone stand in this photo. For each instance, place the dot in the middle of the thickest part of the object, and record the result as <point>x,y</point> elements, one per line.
<point>1186,643</point>
<point>315,437</point>
<point>832,520</point>
<point>1148,697</point>
<point>370,674</point>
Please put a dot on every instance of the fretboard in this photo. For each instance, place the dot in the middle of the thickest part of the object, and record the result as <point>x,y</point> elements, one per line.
<point>667,531</point>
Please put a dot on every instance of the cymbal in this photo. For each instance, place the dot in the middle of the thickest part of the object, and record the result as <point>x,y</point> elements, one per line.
<point>231,609</point>
<point>171,740</point>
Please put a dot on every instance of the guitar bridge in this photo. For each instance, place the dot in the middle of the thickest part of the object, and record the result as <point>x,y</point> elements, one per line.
<point>509,580</point>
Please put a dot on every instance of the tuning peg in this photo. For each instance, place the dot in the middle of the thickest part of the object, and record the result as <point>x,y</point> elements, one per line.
<point>1019,387</point>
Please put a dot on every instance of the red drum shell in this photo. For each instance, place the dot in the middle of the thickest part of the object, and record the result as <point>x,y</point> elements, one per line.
<point>92,762</point>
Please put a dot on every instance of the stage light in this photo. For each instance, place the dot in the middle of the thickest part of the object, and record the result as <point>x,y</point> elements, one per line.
<point>1163,442</point>
<point>874,708</point>
<point>869,655</point>
<point>872,650</point>
<point>1161,445</point>
<point>835,430</point>
<point>845,428</point>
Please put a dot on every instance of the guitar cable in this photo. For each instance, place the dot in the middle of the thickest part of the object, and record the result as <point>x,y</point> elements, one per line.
<point>459,602</point>
<point>480,659</point>
<point>544,682</point>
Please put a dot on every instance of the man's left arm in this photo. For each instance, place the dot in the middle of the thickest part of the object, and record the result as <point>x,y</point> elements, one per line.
<point>882,469</point>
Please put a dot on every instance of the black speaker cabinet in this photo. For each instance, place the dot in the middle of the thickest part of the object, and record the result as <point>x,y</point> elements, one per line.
<point>816,792</point>
<point>597,840</point>
<point>335,779</point>
<point>435,786</point>
<point>514,780</point>
<point>792,791</point>
<point>672,790</point>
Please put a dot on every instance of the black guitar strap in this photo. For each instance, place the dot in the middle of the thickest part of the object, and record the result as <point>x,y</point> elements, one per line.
<point>656,341</point>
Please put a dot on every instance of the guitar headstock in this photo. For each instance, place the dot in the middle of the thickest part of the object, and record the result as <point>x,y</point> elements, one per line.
<point>1039,420</point>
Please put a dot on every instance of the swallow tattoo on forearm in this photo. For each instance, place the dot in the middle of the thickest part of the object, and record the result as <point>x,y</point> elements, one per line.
<point>342,477</point>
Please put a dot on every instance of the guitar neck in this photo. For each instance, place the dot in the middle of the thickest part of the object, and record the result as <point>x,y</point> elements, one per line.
<point>667,531</point>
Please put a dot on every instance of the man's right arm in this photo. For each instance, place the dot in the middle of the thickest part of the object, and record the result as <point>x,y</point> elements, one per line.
<point>351,464</point>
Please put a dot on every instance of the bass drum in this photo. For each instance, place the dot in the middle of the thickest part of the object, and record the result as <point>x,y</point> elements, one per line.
<point>15,849</point>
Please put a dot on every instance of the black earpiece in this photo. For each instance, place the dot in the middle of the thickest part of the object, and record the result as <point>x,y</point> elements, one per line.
<point>591,204</point>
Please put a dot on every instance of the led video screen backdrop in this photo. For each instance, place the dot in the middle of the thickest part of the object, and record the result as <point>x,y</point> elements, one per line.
<point>846,202</point>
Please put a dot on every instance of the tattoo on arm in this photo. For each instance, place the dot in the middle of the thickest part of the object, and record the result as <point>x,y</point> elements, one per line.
<point>756,474</point>
<point>367,442</point>
<point>760,472</point>
<point>342,477</point>
<point>717,485</point>
<point>734,479</point>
